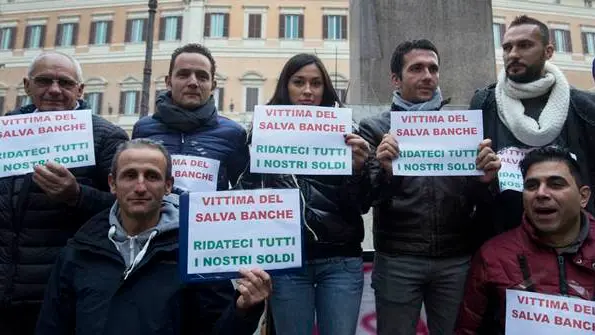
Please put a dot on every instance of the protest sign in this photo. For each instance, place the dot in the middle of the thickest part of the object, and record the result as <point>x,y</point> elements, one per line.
<point>536,313</point>
<point>222,232</point>
<point>194,174</point>
<point>301,140</point>
<point>27,140</point>
<point>509,176</point>
<point>437,143</point>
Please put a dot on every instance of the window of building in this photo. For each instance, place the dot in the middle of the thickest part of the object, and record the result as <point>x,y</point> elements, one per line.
<point>588,42</point>
<point>334,27</point>
<point>23,100</point>
<point>101,33</point>
<point>7,38</point>
<point>66,34</point>
<point>34,36</point>
<point>136,30</point>
<point>254,25</point>
<point>498,29</point>
<point>129,102</point>
<point>561,40</point>
<point>218,97</point>
<point>217,25</point>
<point>170,28</point>
<point>251,98</point>
<point>94,99</point>
<point>1,105</point>
<point>291,26</point>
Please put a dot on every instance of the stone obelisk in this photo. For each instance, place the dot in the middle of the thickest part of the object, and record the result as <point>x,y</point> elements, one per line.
<point>461,30</point>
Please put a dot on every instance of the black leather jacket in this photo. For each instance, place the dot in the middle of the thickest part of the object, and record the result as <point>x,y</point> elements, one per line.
<point>423,216</point>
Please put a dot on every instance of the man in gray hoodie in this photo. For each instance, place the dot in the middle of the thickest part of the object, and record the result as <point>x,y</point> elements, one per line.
<point>119,274</point>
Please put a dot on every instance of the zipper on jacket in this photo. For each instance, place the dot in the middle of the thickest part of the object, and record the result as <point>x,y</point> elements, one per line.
<point>182,135</point>
<point>562,276</point>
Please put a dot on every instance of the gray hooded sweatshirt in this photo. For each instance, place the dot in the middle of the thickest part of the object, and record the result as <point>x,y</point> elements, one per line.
<point>134,248</point>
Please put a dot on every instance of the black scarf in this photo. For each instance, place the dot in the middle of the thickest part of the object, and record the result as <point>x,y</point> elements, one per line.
<point>185,120</point>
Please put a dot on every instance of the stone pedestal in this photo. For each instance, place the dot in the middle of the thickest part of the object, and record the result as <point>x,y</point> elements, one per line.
<point>460,29</point>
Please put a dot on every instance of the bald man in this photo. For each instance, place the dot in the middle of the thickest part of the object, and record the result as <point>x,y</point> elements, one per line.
<point>41,210</point>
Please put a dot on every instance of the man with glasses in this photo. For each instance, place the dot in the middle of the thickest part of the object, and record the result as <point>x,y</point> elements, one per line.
<point>41,210</point>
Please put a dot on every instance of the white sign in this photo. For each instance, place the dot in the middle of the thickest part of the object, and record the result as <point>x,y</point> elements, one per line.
<point>437,143</point>
<point>230,230</point>
<point>510,176</point>
<point>195,174</point>
<point>27,140</point>
<point>301,140</point>
<point>536,313</point>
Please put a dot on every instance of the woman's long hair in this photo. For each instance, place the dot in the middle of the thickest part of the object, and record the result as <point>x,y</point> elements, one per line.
<point>293,65</point>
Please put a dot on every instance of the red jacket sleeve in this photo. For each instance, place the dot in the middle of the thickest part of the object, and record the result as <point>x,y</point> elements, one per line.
<point>475,300</point>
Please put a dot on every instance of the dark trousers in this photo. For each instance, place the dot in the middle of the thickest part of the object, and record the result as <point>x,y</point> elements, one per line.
<point>19,320</point>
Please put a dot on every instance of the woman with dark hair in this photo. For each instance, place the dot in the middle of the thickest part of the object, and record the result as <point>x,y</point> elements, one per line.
<point>329,288</point>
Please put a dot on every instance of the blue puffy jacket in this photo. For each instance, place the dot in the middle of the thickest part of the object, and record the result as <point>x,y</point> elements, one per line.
<point>220,138</point>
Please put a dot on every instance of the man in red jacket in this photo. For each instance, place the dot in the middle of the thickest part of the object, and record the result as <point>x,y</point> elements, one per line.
<point>552,252</point>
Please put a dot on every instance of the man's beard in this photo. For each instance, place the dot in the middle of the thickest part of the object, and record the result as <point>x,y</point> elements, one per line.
<point>532,73</point>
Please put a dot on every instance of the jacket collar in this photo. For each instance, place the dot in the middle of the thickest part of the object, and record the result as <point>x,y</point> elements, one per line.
<point>31,108</point>
<point>585,233</point>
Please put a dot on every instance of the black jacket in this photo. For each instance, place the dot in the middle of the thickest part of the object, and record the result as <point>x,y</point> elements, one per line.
<point>332,220</point>
<point>578,135</point>
<point>87,292</point>
<point>422,216</point>
<point>33,228</point>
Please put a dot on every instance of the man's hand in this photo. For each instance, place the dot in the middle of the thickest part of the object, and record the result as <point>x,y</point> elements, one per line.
<point>487,161</point>
<point>57,182</point>
<point>254,287</point>
<point>386,152</point>
<point>360,151</point>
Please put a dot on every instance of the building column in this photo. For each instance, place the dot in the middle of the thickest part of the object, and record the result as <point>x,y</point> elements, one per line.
<point>194,16</point>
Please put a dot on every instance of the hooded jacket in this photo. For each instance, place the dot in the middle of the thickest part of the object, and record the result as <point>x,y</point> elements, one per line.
<point>518,259</point>
<point>213,136</point>
<point>106,282</point>
<point>34,228</point>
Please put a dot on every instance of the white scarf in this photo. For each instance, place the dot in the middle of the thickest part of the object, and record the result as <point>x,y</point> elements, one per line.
<point>552,118</point>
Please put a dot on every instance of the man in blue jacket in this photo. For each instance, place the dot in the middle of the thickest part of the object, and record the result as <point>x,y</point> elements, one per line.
<point>186,120</point>
<point>119,274</point>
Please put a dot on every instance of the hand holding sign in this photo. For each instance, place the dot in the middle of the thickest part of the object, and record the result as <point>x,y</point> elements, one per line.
<point>387,152</point>
<point>254,287</point>
<point>57,182</point>
<point>487,161</point>
<point>360,150</point>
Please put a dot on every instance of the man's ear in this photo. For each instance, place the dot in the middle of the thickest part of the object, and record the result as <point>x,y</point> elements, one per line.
<point>585,192</point>
<point>395,80</point>
<point>168,82</point>
<point>214,85</point>
<point>26,83</point>
<point>112,184</point>
<point>169,184</point>
<point>549,51</point>
<point>81,90</point>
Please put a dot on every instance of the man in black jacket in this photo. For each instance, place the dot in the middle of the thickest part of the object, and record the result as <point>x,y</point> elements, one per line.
<point>40,211</point>
<point>421,224</point>
<point>532,105</point>
<point>119,274</point>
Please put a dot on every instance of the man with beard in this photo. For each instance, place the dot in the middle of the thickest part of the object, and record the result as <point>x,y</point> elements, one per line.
<point>532,105</point>
<point>186,120</point>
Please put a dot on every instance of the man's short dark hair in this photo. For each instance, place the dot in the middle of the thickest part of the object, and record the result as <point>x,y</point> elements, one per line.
<point>398,59</point>
<point>141,143</point>
<point>543,29</point>
<point>552,153</point>
<point>192,48</point>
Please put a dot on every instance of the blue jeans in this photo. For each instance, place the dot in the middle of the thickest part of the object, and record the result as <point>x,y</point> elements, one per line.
<point>402,282</point>
<point>330,287</point>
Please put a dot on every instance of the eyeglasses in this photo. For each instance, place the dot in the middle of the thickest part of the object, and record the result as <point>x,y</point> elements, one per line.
<point>65,83</point>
